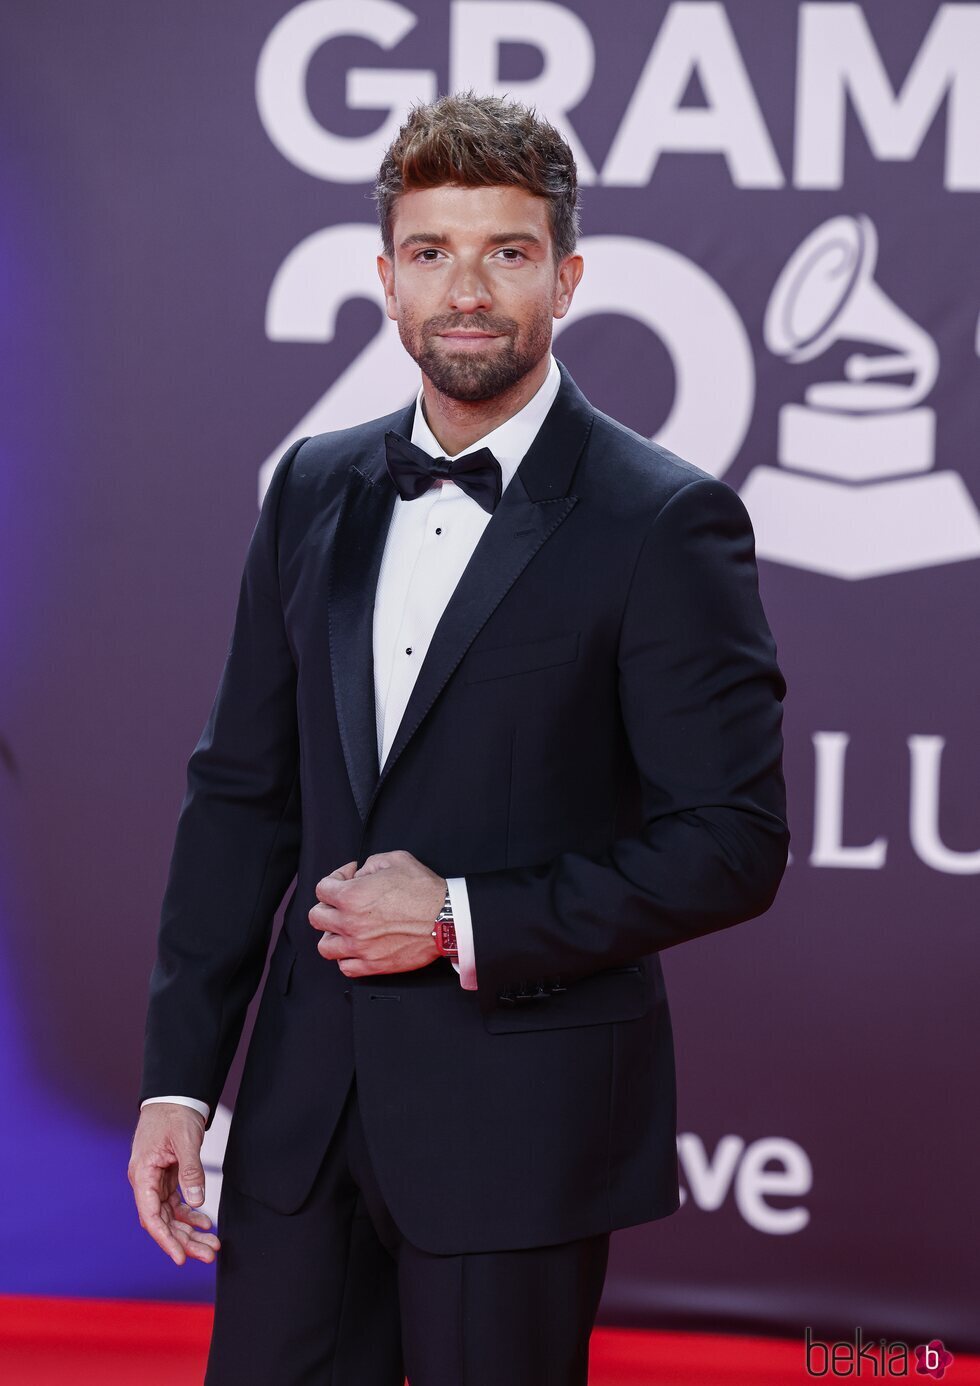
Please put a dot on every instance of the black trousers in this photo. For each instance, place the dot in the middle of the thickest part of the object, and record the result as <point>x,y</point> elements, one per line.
<point>333,1295</point>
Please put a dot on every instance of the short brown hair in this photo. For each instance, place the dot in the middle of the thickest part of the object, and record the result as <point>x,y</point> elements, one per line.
<point>480,141</point>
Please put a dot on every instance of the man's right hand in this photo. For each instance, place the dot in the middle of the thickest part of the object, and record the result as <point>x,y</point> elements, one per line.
<point>166,1161</point>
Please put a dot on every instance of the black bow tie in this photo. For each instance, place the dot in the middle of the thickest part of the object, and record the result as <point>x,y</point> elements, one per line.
<point>413,471</point>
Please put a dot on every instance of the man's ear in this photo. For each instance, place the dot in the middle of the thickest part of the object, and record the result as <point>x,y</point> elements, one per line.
<point>386,273</point>
<point>570,271</point>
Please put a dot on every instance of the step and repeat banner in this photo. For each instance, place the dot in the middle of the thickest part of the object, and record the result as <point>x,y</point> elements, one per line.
<point>781,236</point>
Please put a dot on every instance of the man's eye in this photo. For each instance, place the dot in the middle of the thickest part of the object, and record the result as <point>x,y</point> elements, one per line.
<point>429,250</point>
<point>512,251</point>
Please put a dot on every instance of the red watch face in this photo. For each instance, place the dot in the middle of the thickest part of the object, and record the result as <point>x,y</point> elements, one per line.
<point>446,938</point>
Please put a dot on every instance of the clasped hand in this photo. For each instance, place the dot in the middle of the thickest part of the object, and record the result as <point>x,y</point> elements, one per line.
<point>380,918</point>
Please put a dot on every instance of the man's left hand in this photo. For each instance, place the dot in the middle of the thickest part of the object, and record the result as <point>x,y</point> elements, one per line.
<point>380,918</point>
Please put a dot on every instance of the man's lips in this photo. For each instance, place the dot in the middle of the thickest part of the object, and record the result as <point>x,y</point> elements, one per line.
<point>470,338</point>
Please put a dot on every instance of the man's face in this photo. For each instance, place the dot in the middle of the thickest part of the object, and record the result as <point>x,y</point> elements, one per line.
<point>474,287</point>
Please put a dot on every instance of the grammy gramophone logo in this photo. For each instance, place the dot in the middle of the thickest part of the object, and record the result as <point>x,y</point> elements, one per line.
<point>855,494</point>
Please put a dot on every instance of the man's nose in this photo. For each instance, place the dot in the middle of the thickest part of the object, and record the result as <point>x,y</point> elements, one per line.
<point>469,290</point>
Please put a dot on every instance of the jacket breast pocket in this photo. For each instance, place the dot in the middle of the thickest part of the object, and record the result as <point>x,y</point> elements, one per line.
<point>618,993</point>
<point>505,660</point>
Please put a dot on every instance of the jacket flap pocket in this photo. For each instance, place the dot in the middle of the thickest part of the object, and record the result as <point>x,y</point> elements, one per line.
<point>520,659</point>
<point>620,993</point>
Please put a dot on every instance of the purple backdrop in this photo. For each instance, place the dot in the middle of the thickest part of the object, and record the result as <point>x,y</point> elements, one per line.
<point>780,231</point>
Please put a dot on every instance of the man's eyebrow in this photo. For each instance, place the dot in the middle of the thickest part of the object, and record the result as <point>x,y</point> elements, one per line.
<point>507,236</point>
<point>498,238</point>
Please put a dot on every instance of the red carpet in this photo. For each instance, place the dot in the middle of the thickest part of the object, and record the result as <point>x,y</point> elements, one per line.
<point>62,1342</point>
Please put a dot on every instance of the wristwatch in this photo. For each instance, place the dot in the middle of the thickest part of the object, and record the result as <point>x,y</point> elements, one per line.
<point>445,931</point>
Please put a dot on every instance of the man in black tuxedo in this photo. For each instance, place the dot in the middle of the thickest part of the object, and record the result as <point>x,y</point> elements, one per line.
<point>502,697</point>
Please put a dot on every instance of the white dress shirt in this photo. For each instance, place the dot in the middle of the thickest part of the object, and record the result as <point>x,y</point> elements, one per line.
<point>430,541</point>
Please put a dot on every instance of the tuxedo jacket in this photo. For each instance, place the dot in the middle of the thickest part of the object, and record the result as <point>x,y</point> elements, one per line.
<point>593,741</point>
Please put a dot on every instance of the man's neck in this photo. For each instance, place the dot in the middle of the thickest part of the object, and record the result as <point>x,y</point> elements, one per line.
<point>456,423</point>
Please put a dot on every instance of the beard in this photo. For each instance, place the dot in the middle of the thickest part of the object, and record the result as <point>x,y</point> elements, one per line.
<point>474,374</point>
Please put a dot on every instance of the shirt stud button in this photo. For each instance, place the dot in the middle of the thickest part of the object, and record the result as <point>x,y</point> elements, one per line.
<point>409,650</point>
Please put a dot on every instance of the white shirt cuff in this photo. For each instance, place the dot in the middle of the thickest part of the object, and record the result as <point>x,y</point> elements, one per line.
<point>459,901</point>
<point>201,1107</point>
